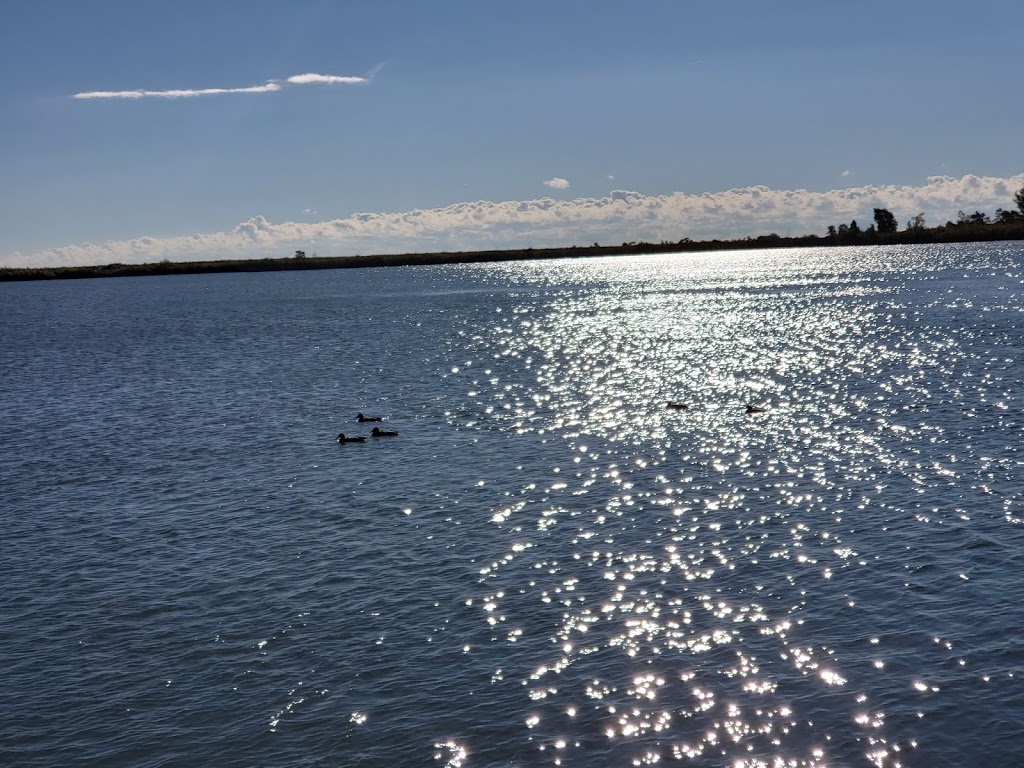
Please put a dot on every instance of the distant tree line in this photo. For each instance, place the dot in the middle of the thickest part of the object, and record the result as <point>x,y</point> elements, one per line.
<point>977,226</point>
<point>1005,225</point>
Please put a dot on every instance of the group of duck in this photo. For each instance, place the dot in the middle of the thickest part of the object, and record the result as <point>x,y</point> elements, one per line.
<point>375,432</point>
<point>378,432</point>
<point>684,407</point>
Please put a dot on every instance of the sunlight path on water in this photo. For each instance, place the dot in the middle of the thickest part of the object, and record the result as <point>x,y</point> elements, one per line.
<point>723,585</point>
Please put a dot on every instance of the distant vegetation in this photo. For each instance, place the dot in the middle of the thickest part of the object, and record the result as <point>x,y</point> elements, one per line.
<point>884,230</point>
<point>1005,225</point>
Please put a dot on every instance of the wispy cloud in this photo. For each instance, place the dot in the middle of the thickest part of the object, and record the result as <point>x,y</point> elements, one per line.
<point>312,77</point>
<point>309,78</point>
<point>619,217</point>
<point>557,183</point>
<point>183,93</point>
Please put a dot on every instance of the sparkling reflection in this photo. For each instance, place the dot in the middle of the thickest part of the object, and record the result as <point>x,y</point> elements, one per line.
<point>711,576</point>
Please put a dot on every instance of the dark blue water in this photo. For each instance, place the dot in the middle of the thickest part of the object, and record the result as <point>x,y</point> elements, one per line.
<point>546,566</point>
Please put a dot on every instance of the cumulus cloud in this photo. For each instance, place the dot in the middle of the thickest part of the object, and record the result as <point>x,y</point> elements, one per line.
<point>618,217</point>
<point>185,93</point>
<point>557,183</point>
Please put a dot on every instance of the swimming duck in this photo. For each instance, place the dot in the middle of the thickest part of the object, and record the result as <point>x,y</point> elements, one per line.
<point>342,439</point>
<point>678,406</point>
<point>360,417</point>
<point>755,409</point>
<point>378,432</point>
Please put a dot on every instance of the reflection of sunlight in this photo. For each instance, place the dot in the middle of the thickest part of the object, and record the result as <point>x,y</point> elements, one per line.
<point>453,753</point>
<point>694,563</point>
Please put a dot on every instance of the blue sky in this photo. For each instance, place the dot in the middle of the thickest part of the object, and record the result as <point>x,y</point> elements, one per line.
<point>481,124</point>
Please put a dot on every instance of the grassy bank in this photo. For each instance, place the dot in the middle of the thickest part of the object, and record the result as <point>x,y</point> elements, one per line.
<point>950,233</point>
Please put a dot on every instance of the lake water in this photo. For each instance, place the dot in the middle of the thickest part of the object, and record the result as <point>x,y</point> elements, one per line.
<point>547,566</point>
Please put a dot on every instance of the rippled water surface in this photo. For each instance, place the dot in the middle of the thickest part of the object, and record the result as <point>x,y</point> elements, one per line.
<point>546,566</point>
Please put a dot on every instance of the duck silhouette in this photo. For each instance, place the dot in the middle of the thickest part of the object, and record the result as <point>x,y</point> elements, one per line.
<point>361,418</point>
<point>378,432</point>
<point>755,409</point>
<point>342,439</point>
<point>677,406</point>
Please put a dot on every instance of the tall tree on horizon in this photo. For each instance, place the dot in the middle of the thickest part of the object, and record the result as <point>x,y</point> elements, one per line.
<point>885,221</point>
<point>916,222</point>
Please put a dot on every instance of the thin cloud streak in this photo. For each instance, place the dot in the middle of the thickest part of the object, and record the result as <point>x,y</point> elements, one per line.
<point>621,216</point>
<point>271,86</point>
<point>175,94</point>
<point>311,77</point>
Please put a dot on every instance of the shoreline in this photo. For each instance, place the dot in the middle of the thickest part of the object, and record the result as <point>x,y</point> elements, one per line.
<point>944,234</point>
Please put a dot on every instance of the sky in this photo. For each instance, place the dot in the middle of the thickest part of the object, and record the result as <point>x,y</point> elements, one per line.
<point>143,131</point>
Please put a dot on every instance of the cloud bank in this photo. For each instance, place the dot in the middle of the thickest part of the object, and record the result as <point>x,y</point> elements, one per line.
<point>271,86</point>
<point>621,216</point>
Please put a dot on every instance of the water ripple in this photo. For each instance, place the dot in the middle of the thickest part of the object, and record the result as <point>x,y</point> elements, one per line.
<point>548,566</point>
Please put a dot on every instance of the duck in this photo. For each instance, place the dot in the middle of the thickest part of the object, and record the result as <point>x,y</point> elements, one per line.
<point>378,432</point>
<point>755,409</point>
<point>360,417</point>
<point>342,439</point>
<point>678,406</point>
